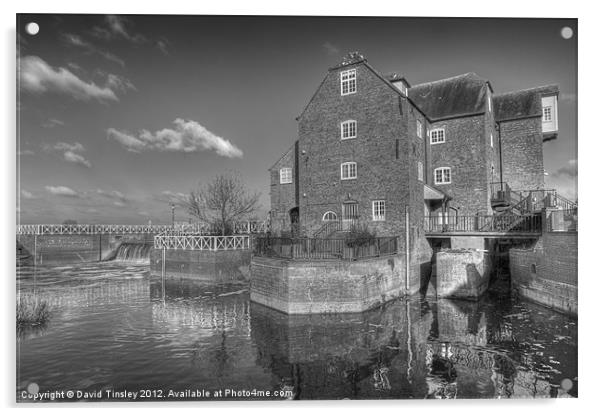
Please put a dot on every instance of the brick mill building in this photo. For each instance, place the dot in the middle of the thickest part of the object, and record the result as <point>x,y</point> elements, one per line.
<point>372,147</point>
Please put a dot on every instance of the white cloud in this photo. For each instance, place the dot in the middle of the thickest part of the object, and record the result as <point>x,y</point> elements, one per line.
<point>128,141</point>
<point>116,195</point>
<point>119,203</point>
<point>71,152</point>
<point>75,158</point>
<point>117,27</point>
<point>26,194</point>
<point>330,48</point>
<point>162,44</point>
<point>570,170</point>
<point>117,83</point>
<point>75,147</point>
<point>25,153</point>
<point>144,213</point>
<point>172,197</point>
<point>38,77</point>
<point>62,191</point>
<point>76,40</point>
<point>52,122</point>
<point>188,136</point>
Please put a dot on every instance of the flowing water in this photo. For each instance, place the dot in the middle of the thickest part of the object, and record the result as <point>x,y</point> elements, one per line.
<point>134,252</point>
<point>112,330</point>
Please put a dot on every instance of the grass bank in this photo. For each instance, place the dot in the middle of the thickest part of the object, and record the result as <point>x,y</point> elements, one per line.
<point>32,311</point>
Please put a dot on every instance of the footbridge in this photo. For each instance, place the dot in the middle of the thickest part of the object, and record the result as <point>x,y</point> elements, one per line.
<point>246,227</point>
<point>76,243</point>
<point>488,226</point>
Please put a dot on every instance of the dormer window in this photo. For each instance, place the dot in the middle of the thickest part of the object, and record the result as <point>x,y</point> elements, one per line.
<point>437,136</point>
<point>286,175</point>
<point>549,114</point>
<point>348,129</point>
<point>348,84</point>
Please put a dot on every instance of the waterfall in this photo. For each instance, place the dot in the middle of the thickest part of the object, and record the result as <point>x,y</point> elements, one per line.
<point>134,252</point>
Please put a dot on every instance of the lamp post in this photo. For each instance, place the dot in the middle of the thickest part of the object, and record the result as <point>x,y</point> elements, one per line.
<point>173,215</point>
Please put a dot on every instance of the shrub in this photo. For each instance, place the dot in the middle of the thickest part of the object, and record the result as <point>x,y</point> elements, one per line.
<point>32,311</point>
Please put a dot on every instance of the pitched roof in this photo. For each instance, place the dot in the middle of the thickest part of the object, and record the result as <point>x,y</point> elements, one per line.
<point>461,95</point>
<point>284,155</point>
<point>353,59</point>
<point>521,104</point>
<point>394,77</point>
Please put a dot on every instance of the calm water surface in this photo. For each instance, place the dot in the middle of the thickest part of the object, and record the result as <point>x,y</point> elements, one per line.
<point>111,329</point>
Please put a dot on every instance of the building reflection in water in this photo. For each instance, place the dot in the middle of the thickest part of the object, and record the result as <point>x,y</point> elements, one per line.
<point>406,349</point>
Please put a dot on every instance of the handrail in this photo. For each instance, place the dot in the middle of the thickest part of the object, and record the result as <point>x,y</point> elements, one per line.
<point>247,227</point>
<point>484,223</point>
<point>328,228</point>
<point>305,248</point>
<point>202,243</point>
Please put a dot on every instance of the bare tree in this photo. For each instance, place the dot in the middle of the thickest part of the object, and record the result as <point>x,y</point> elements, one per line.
<point>222,202</point>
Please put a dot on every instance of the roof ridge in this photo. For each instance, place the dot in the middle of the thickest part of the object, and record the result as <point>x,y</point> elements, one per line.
<point>527,89</point>
<point>451,78</point>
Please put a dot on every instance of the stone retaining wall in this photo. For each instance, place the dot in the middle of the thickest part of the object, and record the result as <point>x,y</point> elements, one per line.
<point>547,273</point>
<point>302,287</point>
<point>205,266</point>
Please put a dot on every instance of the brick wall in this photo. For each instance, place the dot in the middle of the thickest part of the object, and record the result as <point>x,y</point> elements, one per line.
<point>387,150</point>
<point>283,197</point>
<point>547,273</point>
<point>522,153</point>
<point>467,152</point>
<point>382,150</point>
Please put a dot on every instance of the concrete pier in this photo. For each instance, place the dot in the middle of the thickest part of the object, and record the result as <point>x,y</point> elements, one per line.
<point>327,286</point>
<point>463,273</point>
<point>202,266</point>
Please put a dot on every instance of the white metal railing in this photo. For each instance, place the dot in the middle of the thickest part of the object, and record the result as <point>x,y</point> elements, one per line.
<point>248,227</point>
<point>90,229</point>
<point>171,241</point>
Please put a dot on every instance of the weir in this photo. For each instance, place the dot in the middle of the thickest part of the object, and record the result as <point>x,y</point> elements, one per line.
<point>133,252</point>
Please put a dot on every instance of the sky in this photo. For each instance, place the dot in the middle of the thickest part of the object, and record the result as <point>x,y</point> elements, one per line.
<point>118,116</point>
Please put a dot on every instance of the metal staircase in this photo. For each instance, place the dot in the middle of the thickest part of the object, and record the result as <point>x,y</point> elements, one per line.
<point>523,204</point>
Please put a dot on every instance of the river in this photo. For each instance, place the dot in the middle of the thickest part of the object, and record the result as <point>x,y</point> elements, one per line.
<point>113,332</point>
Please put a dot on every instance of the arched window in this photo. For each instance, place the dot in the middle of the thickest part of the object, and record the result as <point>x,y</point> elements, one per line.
<point>329,216</point>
